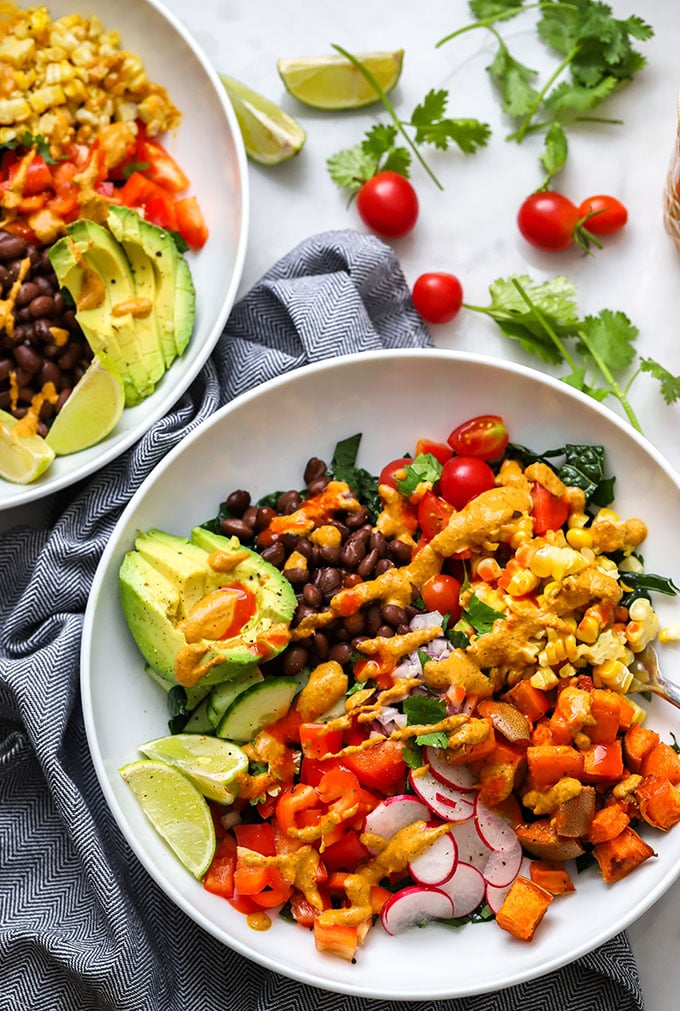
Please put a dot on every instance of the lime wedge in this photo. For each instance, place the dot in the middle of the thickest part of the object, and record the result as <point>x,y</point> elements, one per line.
<point>90,413</point>
<point>23,458</point>
<point>210,763</point>
<point>333,82</point>
<point>175,808</point>
<point>270,135</point>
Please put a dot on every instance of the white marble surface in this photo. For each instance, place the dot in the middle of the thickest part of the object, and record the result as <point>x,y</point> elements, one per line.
<point>469,228</point>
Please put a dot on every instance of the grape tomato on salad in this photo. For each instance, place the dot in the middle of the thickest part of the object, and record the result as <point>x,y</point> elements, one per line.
<point>466,729</point>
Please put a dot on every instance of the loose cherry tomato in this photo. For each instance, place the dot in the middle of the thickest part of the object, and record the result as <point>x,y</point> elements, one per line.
<point>604,215</point>
<point>390,469</point>
<point>464,478</point>
<point>433,514</point>
<point>548,221</point>
<point>437,297</point>
<point>484,437</point>
<point>442,593</point>
<point>388,204</point>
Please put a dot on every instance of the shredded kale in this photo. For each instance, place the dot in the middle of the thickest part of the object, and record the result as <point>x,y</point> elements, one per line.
<point>364,484</point>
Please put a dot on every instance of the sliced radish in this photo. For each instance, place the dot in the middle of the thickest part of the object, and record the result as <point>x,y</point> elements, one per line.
<point>414,907</point>
<point>395,813</point>
<point>471,847</point>
<point>437,863</point>
<point>466,889</point>
<point>458,776</point>
<point>446,802</point>
<point>497,833</point>
<point>503,866</point>
<point>495,894</point>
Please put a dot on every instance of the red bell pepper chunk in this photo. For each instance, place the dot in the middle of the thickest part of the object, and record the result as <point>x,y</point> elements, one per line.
<point>549,511</point>
<point>302,909</point>
<point>317,740</point>
<point>345,854</point>
<point>258,836</point>
<point>162,167</point>
<point>292,801</point>
<point>336,938</point>
<point>38,176</point>
<point>380,767</point>
<point>219,878</point>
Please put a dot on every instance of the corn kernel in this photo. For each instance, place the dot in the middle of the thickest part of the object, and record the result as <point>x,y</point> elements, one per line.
<point>613,674</point>
<point>578,538</point>
<point>670,633</point>
<point>608,514</point>
<point>544,678</point>
<point>588,629</point>
<point>521,583</point>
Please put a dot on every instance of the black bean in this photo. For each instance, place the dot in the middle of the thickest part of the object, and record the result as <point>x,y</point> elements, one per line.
<point>329,554</point>
<point>382,565</point>
<point>297,576</point>
<point>378,543</point>
<point>294,659</point>
<point>315,469</point>
<point>358,519</point>
<point>238,501</point>
<point>5,368</point>
<point>400,551</point>
<point>316,486</point>
<point>28,359</point>
<point>354,623</point>
<point>250,516</point>
<point>26,293</point>
<point>329,582</point>
<point>42,306</point>
<point>351,553</point>
<point>373,619</point>
<point>237,528</point>
<point>265,514</point>
<point>275,554</point>
<point>367,564</point>
<point>312,595</point>
<point>385,631</point>
<point>62,398</point>
<point>341,653</point>
<point>322,646</point>
<point>12,246</point>
<point>305,547</point>
<point>288,502</point>
<point>394,615</point>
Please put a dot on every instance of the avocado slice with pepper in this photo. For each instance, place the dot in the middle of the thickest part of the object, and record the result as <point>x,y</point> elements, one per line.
<point>203,609</point>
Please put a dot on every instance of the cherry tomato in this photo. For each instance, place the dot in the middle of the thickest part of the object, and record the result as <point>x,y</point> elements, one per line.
<point>437,297</point>
<point>438,449</point>
<point>442,593</point>
<point>433,514</point>
<point>608,214</point>
<point>390,469</point>
<point>388,204</point>
<point>464,478</point>
<point>484,437</point>
<point>548,221</point>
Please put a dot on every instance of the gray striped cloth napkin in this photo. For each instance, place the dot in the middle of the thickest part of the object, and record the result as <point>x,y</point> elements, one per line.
<point>82,926</point>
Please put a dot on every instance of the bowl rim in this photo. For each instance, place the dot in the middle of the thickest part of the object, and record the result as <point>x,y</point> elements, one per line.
<point>24,494</point>
<point>113,548</point>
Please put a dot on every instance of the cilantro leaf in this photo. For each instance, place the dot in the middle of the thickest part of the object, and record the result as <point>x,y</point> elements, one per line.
<point>480,615</point>
<point>412,754</point>
<point>513,79</point>
<point>437,739</point>
<point>568,98</point>
<point>351,168</point>
<point>555,149</point>
<point>424,467</point>
<point>670,384</point>
<point>611,336</point>
<point>433,127</point>
<point>490,10</point>
<point>423,709</point>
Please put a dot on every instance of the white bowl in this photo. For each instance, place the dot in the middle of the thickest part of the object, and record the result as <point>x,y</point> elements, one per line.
<point>209,147</point>
<point>392,398</point>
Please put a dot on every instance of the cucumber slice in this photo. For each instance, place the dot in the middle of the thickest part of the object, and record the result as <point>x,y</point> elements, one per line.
<point>199,722</point>
<point>223,694</point>
<point>257,707</point>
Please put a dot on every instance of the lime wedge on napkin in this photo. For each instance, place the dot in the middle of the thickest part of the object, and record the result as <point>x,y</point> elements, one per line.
<point>210,763</point>
<point>176,809</point>
<point>333,82</point>
<point>270,135</point>
<point>90,413</point>
<point>23,458</point>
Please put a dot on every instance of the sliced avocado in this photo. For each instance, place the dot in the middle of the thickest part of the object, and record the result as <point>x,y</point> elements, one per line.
<point>174,285</point>
<point>164,583</point>
<point>124,223</point>
<point>93,266</point>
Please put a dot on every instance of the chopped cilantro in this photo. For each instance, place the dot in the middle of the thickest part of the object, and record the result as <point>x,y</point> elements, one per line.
<point>480,615</point>
<point>423,709</point>
<point>425,467</point>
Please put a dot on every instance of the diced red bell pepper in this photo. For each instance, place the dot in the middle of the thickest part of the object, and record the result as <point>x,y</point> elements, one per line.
<point>345,854</point>
<point>258,836</point>
<point>380,767</point>
<point>302,909</point>
<point>549,511</point>
<point>38,176</point>
<point>336,939</point>
<point>219,878</point>
<point>317,740</point>
<point>162,167</point>
<point>292,802</point>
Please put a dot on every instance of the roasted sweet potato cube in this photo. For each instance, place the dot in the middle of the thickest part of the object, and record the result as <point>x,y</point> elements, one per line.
<point>540,840</point>
<point>607,823</point>
<point>573,817</point>
<point>620,856</point>
<point>637,742</point>
<point>551,876</point>
<point>658,802</point>
<point>662,761</point>
<point>523,909</point>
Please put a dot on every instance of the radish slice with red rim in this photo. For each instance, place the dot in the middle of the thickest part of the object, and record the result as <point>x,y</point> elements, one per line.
<point>471,847</point>
<point>496,832</point>
<point>414,907</point>
<point>495,894</point>
<point>460,777</point>
<point>437,863</point>
<point>503,866</point>
<point>466,888</point>
<point>395,813</point>
<point>447,802</point>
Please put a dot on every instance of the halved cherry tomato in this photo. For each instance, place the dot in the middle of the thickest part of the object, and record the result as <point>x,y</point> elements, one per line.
<point>485,437</point>
<point>439,450</point>
<point>433,514</point>
<point>191,223</point>
<point>442,593</point>
<point>549,511</point>
<point>464,478</point>
<point>390,469</point>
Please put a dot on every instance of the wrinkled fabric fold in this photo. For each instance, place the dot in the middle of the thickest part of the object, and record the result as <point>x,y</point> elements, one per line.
<point>82,925</point>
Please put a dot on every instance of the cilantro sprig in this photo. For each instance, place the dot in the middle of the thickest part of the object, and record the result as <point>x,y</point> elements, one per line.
<point>392,146</point>
<point>596,56</point>
<point>599,350</point>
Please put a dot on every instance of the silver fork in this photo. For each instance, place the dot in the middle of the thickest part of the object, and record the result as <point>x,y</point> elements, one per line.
<point>648,678</point>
